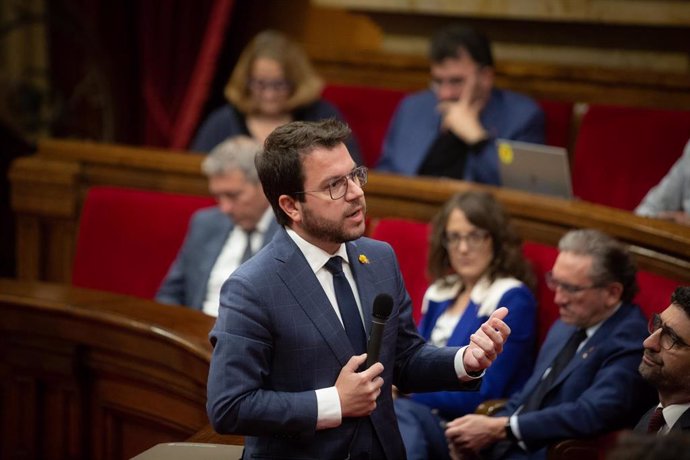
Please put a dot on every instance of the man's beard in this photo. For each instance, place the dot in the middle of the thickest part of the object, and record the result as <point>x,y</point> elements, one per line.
<point>327,230</point>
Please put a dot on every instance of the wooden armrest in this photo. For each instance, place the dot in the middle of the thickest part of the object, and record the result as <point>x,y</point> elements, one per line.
<point>207,435</point>
<point>577,449</point>
<point>490,406</point>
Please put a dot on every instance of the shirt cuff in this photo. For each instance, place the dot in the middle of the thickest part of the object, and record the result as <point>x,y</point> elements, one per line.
<point>329,414</point>
<point>515,427</point>
<point>460,367</point>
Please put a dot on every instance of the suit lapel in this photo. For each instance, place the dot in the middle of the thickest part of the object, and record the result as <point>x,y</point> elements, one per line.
<point>301,281</point>
<point>683,423</point>
<point>362,273</point>
<point>592,343</point>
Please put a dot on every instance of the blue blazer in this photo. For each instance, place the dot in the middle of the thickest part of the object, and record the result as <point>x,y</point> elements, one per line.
<point>187,279</point>
<point>600,390</point>
<point>277,339</point>
<point>417,122</point>
<point>511,369</point>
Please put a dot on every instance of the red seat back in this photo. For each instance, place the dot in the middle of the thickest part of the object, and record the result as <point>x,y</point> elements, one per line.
<point>368,111</point>
<point>542,258</point>
<point>622,152</point>
<point>655,292</point>
<point>410,241</point>
<point>558,116</point>
<point>128,238</point>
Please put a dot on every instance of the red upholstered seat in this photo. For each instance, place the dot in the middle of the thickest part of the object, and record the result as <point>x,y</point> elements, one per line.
<point>621,152</point>
<point>128,238</point>
<point>542,258</point>
<point>655,292</point>
<point>410,241</point>
<point>559,117</point>
<point>368,111</point>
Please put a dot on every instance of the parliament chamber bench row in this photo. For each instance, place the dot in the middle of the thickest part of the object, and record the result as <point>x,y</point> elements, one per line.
<point>121,373</point>
<point>617,153</point>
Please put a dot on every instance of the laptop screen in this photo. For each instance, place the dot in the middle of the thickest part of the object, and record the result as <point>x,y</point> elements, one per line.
<point>534,168</point>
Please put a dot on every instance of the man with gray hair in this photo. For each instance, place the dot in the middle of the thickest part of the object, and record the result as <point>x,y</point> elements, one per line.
<point>585,381</point>
<point>222,237</point>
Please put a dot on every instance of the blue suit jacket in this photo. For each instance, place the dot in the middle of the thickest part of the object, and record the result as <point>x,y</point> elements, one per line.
<point>600,390</point>
<point>187,279</point>
<point>417,122</point>
<point>277,339</point>
<point>511,369</point>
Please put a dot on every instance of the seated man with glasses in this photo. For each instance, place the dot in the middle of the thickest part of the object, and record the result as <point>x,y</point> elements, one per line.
<point>585,380</point>
<point>666,366</point>
<point>449,129</point>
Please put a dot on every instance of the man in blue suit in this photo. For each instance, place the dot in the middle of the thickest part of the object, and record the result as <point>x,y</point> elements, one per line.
<point>220,238</point>
<point>287,366</point>
<point>597,387</point>
<point>450,129</point>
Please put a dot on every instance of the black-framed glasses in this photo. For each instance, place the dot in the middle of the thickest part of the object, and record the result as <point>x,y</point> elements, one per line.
<point>258,85</point>
<point>337,188</point>
<point>668,337</point>
<point>572,289</point>
<point>473,239</point>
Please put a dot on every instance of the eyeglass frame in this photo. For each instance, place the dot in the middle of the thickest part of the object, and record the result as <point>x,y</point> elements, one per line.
<point>656,324</point>
<point>571,289</point>
<point>259,85</point>
<point>361,181</point>
<point>480,233</point>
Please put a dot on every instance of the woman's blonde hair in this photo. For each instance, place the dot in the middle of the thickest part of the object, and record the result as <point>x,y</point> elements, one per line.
<point>306,85</point>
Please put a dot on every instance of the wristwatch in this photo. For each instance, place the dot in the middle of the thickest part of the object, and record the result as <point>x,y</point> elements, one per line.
<point>510,436</point>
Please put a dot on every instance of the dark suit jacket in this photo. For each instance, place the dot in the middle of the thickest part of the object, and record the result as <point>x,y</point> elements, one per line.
<point>277,339</point>
<point>187,279</point>
<point>600,390</point>
<point>683,423</point>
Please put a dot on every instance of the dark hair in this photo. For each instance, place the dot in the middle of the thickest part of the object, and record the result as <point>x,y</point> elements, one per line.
<point>451,39</point>
<point>611,260</point>
<point>280,164</point>
<point>681,297</point>
<point>483,211</point>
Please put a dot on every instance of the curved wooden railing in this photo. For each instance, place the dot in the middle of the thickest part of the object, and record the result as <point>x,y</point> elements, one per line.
<point>48,190</point>
<point>89,374</point>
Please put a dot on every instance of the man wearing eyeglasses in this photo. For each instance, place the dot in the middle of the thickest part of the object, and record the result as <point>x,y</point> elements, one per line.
<point>449,129</point>
<point>288,366</point>
<point>666,366</point>
<point>585,381</point>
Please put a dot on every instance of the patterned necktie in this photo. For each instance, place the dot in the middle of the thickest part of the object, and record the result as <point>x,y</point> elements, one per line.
<point>248,248</point>
<point>347,305</point>
<point>536,400</point>
<point>656,421</point>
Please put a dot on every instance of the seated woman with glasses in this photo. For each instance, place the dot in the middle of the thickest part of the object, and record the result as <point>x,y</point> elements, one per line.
<point>272,84</point>
<point>476,261</point>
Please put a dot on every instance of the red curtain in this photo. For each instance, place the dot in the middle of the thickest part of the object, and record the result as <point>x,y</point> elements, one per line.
<point>180,42</point>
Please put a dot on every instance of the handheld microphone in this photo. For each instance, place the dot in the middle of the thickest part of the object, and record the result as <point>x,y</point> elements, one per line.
<point>383,305</point>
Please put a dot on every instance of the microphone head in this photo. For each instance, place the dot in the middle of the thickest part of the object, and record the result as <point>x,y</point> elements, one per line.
<point>383,306</point>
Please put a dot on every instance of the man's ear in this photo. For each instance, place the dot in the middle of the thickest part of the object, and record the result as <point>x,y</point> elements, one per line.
<point>291,207</point>
<point>614,291</point>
